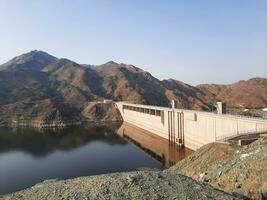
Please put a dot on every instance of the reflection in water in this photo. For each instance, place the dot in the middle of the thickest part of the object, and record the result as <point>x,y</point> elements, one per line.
<point>159,148</point>
<point>39,142</point>
<point>29,156</point>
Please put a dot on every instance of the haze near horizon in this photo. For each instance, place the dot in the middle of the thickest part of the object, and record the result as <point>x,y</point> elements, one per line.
<point>203,42</point>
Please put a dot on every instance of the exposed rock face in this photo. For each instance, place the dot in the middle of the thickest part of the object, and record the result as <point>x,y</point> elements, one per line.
<point>229,167</point>
<point>38,86</point>
<point>131,185</point>
<point>249,94</point>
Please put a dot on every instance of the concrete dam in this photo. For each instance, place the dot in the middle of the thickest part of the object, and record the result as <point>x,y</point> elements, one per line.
<point>190,128</point>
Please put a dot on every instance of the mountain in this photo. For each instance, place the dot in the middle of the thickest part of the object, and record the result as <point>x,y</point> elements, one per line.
<point>34,60</point>
<point>38,87</point>
<point>186,95</point>
<point>128,83</point>
<point>245,94</point>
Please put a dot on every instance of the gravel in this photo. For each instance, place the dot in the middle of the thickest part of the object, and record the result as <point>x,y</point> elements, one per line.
<point>130,185</point>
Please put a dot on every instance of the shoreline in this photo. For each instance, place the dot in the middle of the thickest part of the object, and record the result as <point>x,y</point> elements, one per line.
<point>57,125</point>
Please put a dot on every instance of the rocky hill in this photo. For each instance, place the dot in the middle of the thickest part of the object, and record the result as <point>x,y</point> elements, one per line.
<point>34,60</point>
<point>245,94</point>
<point>39,88</point>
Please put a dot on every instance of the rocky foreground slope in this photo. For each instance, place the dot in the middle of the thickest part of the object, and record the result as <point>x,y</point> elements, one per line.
<point>132,185</point>
<point>229,167</point>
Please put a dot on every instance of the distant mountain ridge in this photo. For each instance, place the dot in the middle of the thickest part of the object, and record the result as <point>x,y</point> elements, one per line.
<point>251,93</point>
<point>38,86</point>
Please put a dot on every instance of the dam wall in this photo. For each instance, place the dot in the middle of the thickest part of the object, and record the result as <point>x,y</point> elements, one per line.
<point>190,128</point>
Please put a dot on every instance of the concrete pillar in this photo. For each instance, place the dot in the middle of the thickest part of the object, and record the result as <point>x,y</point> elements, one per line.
<point>221,108</point>
<point>174,104</point>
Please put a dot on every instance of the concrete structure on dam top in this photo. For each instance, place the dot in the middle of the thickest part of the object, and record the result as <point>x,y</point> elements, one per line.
<point>190,128</point>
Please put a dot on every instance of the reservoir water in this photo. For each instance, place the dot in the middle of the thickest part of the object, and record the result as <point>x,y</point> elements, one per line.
<point>29,156</point>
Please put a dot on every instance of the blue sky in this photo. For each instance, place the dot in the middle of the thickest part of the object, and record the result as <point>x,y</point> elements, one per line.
<point>194,41</point>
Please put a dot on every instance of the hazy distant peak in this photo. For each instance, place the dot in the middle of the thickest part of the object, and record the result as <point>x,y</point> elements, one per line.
<point>257,79</point>
<point>65,60</point>
<point>35,54</point>
<point>128,66</point>
<point>116,66</point>
<point>111,63</point>
<point>39,52</point>
<point>35,60</point>
<point>170,80</point>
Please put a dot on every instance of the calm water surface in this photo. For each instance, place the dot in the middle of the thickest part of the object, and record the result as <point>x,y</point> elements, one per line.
<point>29,156</point>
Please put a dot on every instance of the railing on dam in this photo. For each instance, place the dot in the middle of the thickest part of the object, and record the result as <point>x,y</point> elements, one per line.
<point>189,127</point>
<point>150,111</point>
<point>230,135</point>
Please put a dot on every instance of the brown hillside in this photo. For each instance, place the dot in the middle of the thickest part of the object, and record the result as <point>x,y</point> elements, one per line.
<point>250,94</point>
<point>37,85</point>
